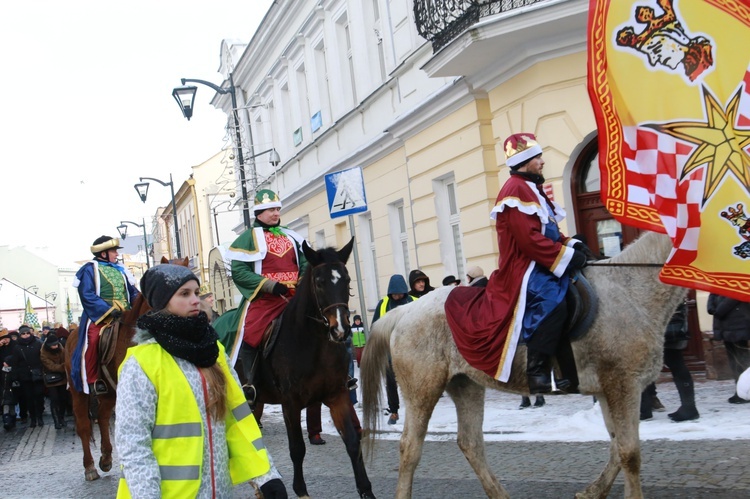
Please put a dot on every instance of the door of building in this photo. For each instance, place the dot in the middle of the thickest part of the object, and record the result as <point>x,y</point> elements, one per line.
<point>606,236</point>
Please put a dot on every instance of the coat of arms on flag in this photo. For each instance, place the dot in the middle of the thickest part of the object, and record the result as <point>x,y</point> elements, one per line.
<point>669,81</point>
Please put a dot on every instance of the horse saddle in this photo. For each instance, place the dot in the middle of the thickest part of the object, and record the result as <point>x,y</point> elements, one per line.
<point>108,342</point>
<point>268,340</point>
<point>583,304</point>
<point>107,346</point>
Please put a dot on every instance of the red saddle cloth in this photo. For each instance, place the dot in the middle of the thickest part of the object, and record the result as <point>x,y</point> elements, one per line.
<point>480,320</point>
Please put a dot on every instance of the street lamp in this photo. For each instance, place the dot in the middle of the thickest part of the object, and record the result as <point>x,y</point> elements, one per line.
<point>123,230</point>
<point>46,309</point>
<point>216,220</point>
<point>142,190</point>
<point>185,96</point>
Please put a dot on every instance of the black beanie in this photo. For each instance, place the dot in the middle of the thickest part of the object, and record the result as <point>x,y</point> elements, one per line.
<point>51,340</point>
<point>159,283</point>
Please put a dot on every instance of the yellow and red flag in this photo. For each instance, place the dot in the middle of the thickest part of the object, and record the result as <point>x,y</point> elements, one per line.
<point>669,81</point>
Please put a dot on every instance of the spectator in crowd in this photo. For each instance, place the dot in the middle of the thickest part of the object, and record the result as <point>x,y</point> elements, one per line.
<point>358,337</point>
<point>475,277</point>
<point>28,372</point>
<point>419,283</point>
<point>676,338</point>
<point>6,380</point>
<point>397,295</point>
<point>207,303</point>
<point>178,377</point>
<point>450,280</point>
<point>732,325</point>
<point>53,364</point>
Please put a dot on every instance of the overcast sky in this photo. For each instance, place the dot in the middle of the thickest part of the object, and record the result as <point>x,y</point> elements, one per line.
<point>86,108</point>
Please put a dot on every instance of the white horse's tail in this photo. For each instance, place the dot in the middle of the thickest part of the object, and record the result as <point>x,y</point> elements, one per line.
<point>375,358</point>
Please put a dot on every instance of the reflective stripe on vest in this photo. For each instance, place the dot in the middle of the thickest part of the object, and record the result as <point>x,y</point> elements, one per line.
<point>177,437</point>
<point>386,299</point>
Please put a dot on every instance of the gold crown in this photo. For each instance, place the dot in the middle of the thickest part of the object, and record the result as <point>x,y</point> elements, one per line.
<point>205,289</point>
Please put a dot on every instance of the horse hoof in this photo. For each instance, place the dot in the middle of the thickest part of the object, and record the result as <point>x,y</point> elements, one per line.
<point>91,475</point>
<point>105,466</point>
<point>366,495</point>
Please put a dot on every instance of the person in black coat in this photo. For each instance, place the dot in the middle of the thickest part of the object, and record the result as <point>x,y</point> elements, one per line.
<point>419,284</point>
<point>732,325</point>
<point>28,372</point>
<point>676,338</point>
<point>7,399</point>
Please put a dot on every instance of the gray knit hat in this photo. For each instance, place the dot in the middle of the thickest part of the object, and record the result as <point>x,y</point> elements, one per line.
<point>159,283</point>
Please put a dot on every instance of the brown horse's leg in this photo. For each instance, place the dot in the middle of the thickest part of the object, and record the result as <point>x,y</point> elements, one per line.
<point>83,430</point>
<point>292,420</point>
<point>106,407</point>
<point>346,422</point>
<point>469,399</point>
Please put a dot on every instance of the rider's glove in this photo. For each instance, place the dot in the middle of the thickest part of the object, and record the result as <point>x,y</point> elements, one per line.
<point>274,489</point>
<point>115,314</point>
<point>578,261</point>
<point>580,245</point>
<point>280,289</point>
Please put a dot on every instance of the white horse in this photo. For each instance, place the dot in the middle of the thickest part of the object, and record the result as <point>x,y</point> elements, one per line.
<point>616,359</point>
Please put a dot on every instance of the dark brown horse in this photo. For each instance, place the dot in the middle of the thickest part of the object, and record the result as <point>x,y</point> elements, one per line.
<point>106,402</point>
<point>309,363</point>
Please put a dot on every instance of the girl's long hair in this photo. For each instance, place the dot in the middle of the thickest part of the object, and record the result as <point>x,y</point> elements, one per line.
<point>217,391</point>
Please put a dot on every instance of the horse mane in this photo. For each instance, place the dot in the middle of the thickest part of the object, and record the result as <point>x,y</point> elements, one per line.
<point>649,247</point>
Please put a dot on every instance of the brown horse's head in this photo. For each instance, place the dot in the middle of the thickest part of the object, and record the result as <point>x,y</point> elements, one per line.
<point>328,281</point>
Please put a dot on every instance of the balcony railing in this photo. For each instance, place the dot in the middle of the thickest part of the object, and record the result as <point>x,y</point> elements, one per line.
<point>440,21</point>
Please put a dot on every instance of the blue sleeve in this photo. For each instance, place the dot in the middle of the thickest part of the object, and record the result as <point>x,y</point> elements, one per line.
<point>95,307</point>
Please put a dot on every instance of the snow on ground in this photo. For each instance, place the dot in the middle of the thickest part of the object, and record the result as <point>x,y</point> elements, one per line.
<point>576,418</point>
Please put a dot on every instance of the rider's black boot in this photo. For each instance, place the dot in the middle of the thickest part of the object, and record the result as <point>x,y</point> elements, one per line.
<point>538,372</point>
<point>567,364</point>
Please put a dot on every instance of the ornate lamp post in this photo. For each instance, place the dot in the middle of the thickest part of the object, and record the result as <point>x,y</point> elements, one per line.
<point>123,230</point>
<point>142,190</point>
<point>52,295</point>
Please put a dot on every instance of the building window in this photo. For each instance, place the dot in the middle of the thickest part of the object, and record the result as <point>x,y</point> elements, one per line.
<point>303,97</point>
<point>449,227</point>
<point>399,238</point>
<point>324,85</point>
<point>367,237</point>
<point>320,239</point>
<point>347,60</point>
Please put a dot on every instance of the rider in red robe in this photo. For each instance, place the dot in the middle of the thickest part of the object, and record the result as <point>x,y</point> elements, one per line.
<point>525,297</point>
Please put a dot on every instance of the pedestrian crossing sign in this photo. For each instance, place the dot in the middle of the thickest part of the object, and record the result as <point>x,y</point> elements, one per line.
<point>346,192</point>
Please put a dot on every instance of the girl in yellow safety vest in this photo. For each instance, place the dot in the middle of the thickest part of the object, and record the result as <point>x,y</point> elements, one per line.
<point>184,428</point>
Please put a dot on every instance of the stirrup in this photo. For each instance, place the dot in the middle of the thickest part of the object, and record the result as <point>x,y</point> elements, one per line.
<point>351,383</point>
<point>250,393</point>
<point>98,387</point>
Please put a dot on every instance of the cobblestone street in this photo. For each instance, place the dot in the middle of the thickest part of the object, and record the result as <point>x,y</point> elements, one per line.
<point>47,463</point>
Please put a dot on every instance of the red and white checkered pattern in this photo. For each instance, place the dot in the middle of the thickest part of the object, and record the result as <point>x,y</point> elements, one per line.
<point>743,118</point>
<point>654,162</point>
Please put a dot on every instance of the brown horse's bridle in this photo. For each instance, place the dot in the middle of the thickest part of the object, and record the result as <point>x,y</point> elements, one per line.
<point>322,310</point>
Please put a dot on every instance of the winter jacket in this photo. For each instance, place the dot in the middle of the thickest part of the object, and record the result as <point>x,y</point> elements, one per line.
<point>27,358</point>
<point>414,276</point>
<point>53,361</point>
<point>6,376</point>
<point>731,318</point>
<point>137,398</point>
<point>676,335</point>
<point>397,285</point>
